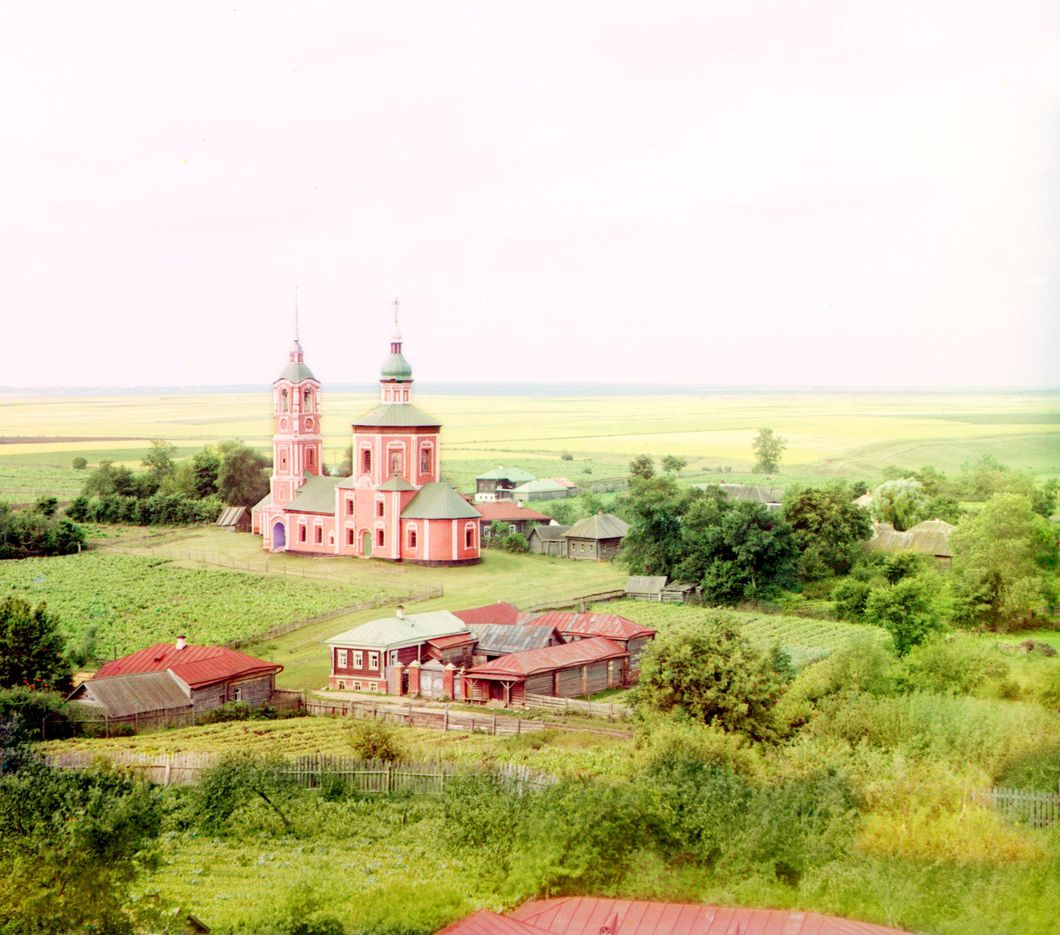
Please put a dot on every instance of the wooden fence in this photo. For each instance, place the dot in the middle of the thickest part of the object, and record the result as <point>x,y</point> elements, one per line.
<point>581,601</point>
<point>607,709</point>
<point>365,776</point>
<point>1037,809</point>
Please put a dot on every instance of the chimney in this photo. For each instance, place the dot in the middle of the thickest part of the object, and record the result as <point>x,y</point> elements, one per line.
<point>400,611</point>
<point>181,642</point>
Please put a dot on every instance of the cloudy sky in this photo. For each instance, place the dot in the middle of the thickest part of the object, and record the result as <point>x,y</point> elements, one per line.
<point>824,192</point>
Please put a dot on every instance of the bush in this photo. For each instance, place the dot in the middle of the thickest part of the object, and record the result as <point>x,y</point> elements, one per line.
<point>229,711</point>
<point>80,463</point>
<point>376,740</point>
<point>953,665</point>
<point>909,610</point>
<point>232,783</point>
<point>566,456</point>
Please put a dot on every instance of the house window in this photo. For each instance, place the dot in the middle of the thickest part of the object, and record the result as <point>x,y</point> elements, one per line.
<point>379,537</point>
<point>344,657</point>
<point>393,657</point>
<point>301,533</point>
<point>366,461</point>
<point>412,538</point>
<point>379,511</point>
<point>349,537</point>
<point>237,693</point>
<point>356,686</point>
<point>319,534</point>
<point>373,661</point>
<point>358,659</point>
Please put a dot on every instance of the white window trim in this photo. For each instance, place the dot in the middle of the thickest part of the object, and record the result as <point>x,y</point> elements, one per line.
<point>344,659</point>
<point>358,659</point>
<point>373,661</point>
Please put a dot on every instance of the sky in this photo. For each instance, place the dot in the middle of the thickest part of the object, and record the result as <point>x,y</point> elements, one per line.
<point>828,192</point>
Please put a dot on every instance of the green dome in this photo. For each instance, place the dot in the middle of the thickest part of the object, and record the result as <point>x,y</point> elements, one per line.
<point>395,367</point>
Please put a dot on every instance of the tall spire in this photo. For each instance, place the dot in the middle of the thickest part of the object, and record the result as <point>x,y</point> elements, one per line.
<point>296,347</point>
<point>395,340</point>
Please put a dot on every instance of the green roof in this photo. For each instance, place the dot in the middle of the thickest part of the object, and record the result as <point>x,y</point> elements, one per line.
<point>402,415</point>
<point>391,631</point>
<point>397,482</point>
<point>296,372</point>
<point>395,367</point>
<point>316,495</point>
<point>518,475</point>
<point>437,500</point>
<point>347,483</point>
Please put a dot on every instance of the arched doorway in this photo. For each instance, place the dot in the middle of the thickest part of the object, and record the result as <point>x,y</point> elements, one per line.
<point>279,537</point>
<point>366,543</point>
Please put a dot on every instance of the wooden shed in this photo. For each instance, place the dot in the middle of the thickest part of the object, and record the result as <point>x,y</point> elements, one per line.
<point>645,587</point>
<point>567,671</point>
<point>597,538</point>
<point>234,519</point>
<point>548,540</point>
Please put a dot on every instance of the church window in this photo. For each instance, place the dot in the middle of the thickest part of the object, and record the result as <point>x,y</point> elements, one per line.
<point>349,537</point>
<point>283,400</point>
<point>349,507</point>
<point>425,460</point>
<point>412,538</point>
<point>469,537</point>
<point>366,461</point>
<point>396,465</point>
<point>309,457</point>
<point>307,400</point>
<point>319,534</point>
<point>405,396</point>
<point>379,509</point>
<point>379,537</point>
<point>301,533</point>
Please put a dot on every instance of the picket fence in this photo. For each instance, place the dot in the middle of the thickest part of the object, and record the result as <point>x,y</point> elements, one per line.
<point>607,709</point>
<point>358,775</point>
<point>1037,809</point>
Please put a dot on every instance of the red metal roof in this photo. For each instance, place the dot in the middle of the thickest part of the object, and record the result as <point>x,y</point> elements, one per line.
<point>448,642</point>
<point>196,666</point>
<point>508,511</point>
<point>588,916</point>
<point>491,613</point>
<point>612,626</point>
<point>485,922</point>
<point>526,663</point>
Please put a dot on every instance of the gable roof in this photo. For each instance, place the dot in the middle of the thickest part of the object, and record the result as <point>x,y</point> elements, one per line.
<point>399,631</point>
<point>437,500</point>
<point>931,537</point>
<point>752,492</point>
<point>501,612</point>
<point>196,666</point>
<point>399,415</point>
<point>126,695</point>
<point>519,665</point>
<point>645,584</point>
<point>563,482</point>
<point>514,474</point>
<point>316,495</point>
<point>503,638</point>
<point>577,915</point>
<point>231,515</point>
<point>600,526</point>
<point>397,482</point>
<point>611,626</point>
<point>551,533</point>
<point>263,502</point>
<point>508,511</point>
<point>539,486</point>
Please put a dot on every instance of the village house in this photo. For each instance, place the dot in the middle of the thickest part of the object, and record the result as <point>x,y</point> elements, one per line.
<point>931,537</point>
<point>548,540</point>
<point>547,489</point>
<point>500,639</point>
<point>499,483</point>
<point>517,517</point>
<point>393,505</point>
<point>183,677</point>
<point>597,538</point>
<point>630,636</point>
<point>769,497</point>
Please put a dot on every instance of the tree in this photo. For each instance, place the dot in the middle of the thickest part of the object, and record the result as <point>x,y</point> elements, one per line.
<point>768,448</point>
<point>31,647</point>
<point>159,459</point>
<point>900,502</point>
<point>713,674</point>
<point>242,479</point>
<point>672,464</point>
<point>653,506</point>
<point>909,610</point>
<point>80,463</point>
<point>643,467</point>
<point>738,550</point>
<point>1004,563</point>
<point>72,843</point>
<point>828,528</point>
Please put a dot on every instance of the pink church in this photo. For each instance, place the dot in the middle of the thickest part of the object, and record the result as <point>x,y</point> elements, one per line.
<point>393,506</point>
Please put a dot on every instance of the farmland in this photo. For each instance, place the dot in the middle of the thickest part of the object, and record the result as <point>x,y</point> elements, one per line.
<point>829,434</point>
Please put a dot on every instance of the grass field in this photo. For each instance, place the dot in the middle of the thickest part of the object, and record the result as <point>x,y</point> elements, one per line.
<point>829,434</point>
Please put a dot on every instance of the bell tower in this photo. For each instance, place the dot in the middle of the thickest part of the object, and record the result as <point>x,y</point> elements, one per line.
<point>297,443</point>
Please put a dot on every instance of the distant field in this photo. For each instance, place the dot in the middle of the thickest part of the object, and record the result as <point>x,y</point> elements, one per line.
<point>828,434</point>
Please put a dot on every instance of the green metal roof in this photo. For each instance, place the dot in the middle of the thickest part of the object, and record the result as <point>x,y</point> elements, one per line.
<point>263,502</point>
<point>438,500</point>
<point>397,482</point>
<point>296,372</point>
<point>400,415</point>
<point>316,495</point>
<point>397,631</point>
<point>347,483</point>
<point>395,367</point>
<point>518,475</point>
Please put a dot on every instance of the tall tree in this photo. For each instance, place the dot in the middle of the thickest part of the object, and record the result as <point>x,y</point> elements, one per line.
<point>31,647</point>
<point>242,479</point>
<point>653,506</point>
<point>900,502</point>
<point>672,464</point>
<point>159,459</point>
<point>643,467</point>
<point>767,447</point>
<point>828,528</point>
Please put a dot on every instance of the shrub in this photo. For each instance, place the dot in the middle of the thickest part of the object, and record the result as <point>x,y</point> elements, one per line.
<point>229,711</point>
<point>376,740</point>
<point>566,456</point>
<point>80,463</point>
<point>954,665</point>
<point>909,610</point>
<point>233,782</point>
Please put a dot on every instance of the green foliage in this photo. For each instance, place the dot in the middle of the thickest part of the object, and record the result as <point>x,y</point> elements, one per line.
<point>71,847</point>
<point>642,467</point>
<point>27,710</point>
<point>654,507</point>
<point>566,456</point>
<point>711,674</point>
<point>159,459</point>
<point>376,740</point>
<point>79,463</point>
<point>672,464</point>
<point>27,533</point>
<point>768,448</point>
<point>1034,768</point>
<point>31,647</point>
<point>243,478</point>
<point>901,502</point>
<point>1004,564</point>
<point>562,511</point>
<point>231,784</point>
<point>954,665</point>
<point>828,528</point>
<point>910,611</point>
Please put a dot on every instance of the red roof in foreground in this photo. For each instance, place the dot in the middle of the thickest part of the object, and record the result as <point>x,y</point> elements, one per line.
<point>526,663</point>
<point>485,922</point>
<point>612,626</point>
<point>587,916</point>
<point>500,612</point>
<point>448,642</point>
<point>196,666</point>
<point>508,511</point>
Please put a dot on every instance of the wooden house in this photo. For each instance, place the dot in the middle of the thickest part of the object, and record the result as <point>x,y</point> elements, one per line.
<point>499,483</point>
<point>540,490</point>
<point>548,540</point>
<point>680,592</point>
<point>149,696</point>
<point>769,497</point>
<point>566,671</point>
<point>645,587</point>
<point>597,538</point>
<point>631,636</point>
<point>209,675</point>
<point>515,516</point>
<point>493,640</point>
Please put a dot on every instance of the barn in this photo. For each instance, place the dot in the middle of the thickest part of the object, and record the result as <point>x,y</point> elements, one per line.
<point>234,519</point>
<point>548,540</point>
<point>597,538</point>
<point>567,671</point>
<point>630,636</point>
<point>144,696</point>
<point>645,587</point>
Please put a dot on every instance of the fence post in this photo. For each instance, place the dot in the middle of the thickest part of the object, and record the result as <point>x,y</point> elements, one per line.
<point>494,724</point>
